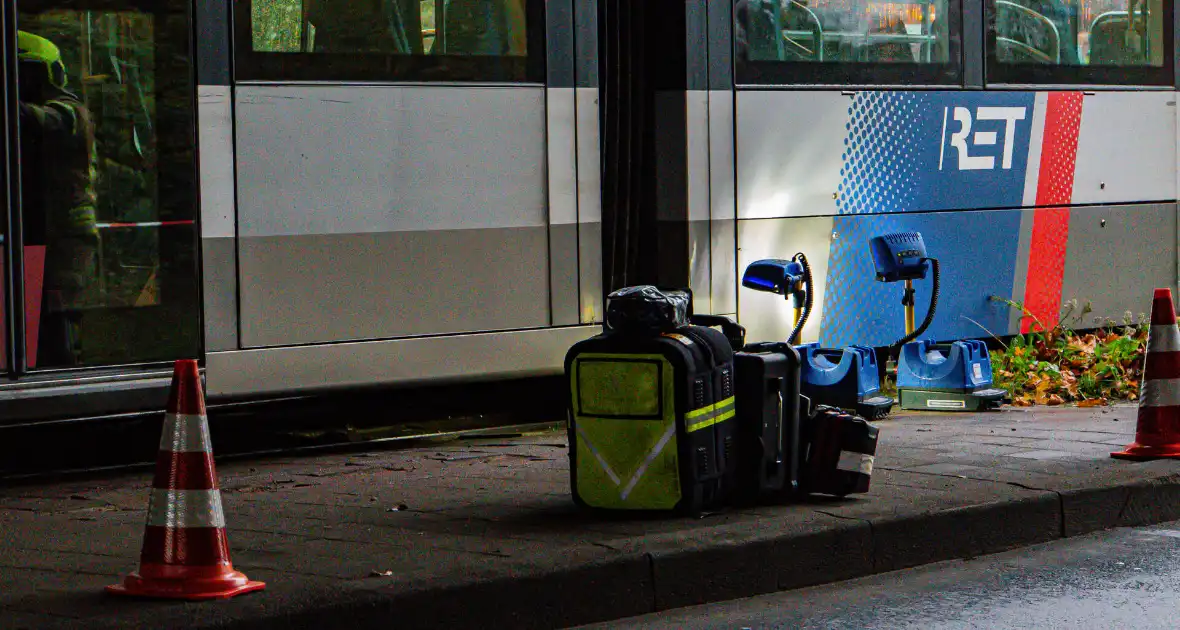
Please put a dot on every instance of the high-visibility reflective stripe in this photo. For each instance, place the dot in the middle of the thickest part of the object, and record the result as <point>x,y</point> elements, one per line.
<point>1164,338</point>
<point>598,456</point>
<point>708,416</point>
<point>639,472</point>
<point>184,433</point>
<point>651,457</point>
<point>185,508</point>
<point>1164,392</point>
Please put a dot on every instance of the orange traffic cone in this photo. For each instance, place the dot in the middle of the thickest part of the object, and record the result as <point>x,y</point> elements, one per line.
<point>185,550</point>
<point>1157,435</point>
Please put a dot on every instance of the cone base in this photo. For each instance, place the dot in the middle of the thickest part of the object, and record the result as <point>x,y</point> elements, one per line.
<point>229,585</point>
<point>1140,452</point>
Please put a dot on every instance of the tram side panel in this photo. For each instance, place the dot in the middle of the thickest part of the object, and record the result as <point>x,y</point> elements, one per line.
<point>382,212</point>
<point>823,172</point>
<point>215,149</point>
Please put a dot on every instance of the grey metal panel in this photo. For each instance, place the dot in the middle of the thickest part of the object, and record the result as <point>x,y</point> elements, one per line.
<point>590,269</point>
<point>724,283</point>
<point>699,267</point>
<point>697,145</point>
<point>586,43</point>
<point>768,316</point>
<point>406,361</point>
<point>563,274</point>
<point>1020,278</point>
<point>216,147</point>
<point>563,205</point>
<point>562,153</point>
<point>341,287</point>
<point>1176,58</point>
<point>357,159</point>
<point>720,45</point>
<point>973,44</point>
<point>696,16</point>
<point>213,42</point>
<point>220,276</point>
<point>789,147</point>
<point>1126,148</point>
<point>80,397</point>
<point>559,43</point>
<point>1102,269</point>
<point>589,205</point>
<point>722,200</point>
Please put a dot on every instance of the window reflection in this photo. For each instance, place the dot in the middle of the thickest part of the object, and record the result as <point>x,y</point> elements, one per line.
<point>401,27</point>
<point>106,187</point>
<point>1079,32</point>
<point>847,31</point>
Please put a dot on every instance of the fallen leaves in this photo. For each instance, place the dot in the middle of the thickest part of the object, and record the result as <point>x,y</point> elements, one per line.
<point>1062,366</point>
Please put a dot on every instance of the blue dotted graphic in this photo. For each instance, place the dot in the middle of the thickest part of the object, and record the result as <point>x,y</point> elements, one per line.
<point>977,253</point>
<point>897,167</point>
<point>897,155</point>
<point>879,172</point>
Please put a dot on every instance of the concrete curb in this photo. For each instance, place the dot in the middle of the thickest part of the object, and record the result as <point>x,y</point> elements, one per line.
<point>640,581</point>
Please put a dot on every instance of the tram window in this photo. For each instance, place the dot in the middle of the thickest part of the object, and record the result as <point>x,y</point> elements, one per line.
<point>472,40</point>
<point>1080,41</point>
<point>847,41</point>
<point>108,198</point>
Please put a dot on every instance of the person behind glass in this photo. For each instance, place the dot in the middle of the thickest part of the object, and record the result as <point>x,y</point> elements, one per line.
<point>58,160</point>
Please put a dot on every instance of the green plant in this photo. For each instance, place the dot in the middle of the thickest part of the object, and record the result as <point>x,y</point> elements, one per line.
<point>1057,365</point>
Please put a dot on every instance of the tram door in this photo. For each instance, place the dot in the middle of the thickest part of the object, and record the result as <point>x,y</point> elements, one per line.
<point>100,238</point>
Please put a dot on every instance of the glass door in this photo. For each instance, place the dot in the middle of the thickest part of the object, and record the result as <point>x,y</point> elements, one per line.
<point>106,206</point>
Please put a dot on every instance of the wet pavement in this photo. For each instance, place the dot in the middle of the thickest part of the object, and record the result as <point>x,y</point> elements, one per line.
<point>1123,578</point>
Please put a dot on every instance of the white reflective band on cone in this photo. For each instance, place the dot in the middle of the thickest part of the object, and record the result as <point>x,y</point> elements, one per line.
<point>855,462</point>
<point>185,434</point>
<point>1163,392</point>
<point>185,508</point>
<point>1164,338</point>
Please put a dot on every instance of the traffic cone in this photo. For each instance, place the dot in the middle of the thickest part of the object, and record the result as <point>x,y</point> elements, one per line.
<point>1157,435</point>
<point>185,550</point>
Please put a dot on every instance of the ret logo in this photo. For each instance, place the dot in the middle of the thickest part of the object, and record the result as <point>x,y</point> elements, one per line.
<point>972,149</point>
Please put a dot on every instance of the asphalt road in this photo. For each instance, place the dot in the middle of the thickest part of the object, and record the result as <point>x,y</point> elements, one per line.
<point>1126,578</point>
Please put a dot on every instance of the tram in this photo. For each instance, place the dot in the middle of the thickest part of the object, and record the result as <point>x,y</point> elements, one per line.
<point>312,196</point>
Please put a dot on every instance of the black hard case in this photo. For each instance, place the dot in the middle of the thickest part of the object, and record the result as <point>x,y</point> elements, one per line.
<point>704,375</point>
<point>768,384</point>
<point>832,435</point>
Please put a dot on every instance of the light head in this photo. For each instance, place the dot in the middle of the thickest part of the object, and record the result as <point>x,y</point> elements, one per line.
<point>899,256</point>
<point>781,277</point>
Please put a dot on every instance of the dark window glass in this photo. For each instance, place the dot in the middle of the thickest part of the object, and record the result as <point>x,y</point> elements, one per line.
<point>459,40</point>
<point>1116,42</point>
<point>847,42</point>
<point>107,183</point>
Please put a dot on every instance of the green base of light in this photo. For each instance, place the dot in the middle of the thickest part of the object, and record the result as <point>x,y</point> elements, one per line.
<point>930,400</point>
